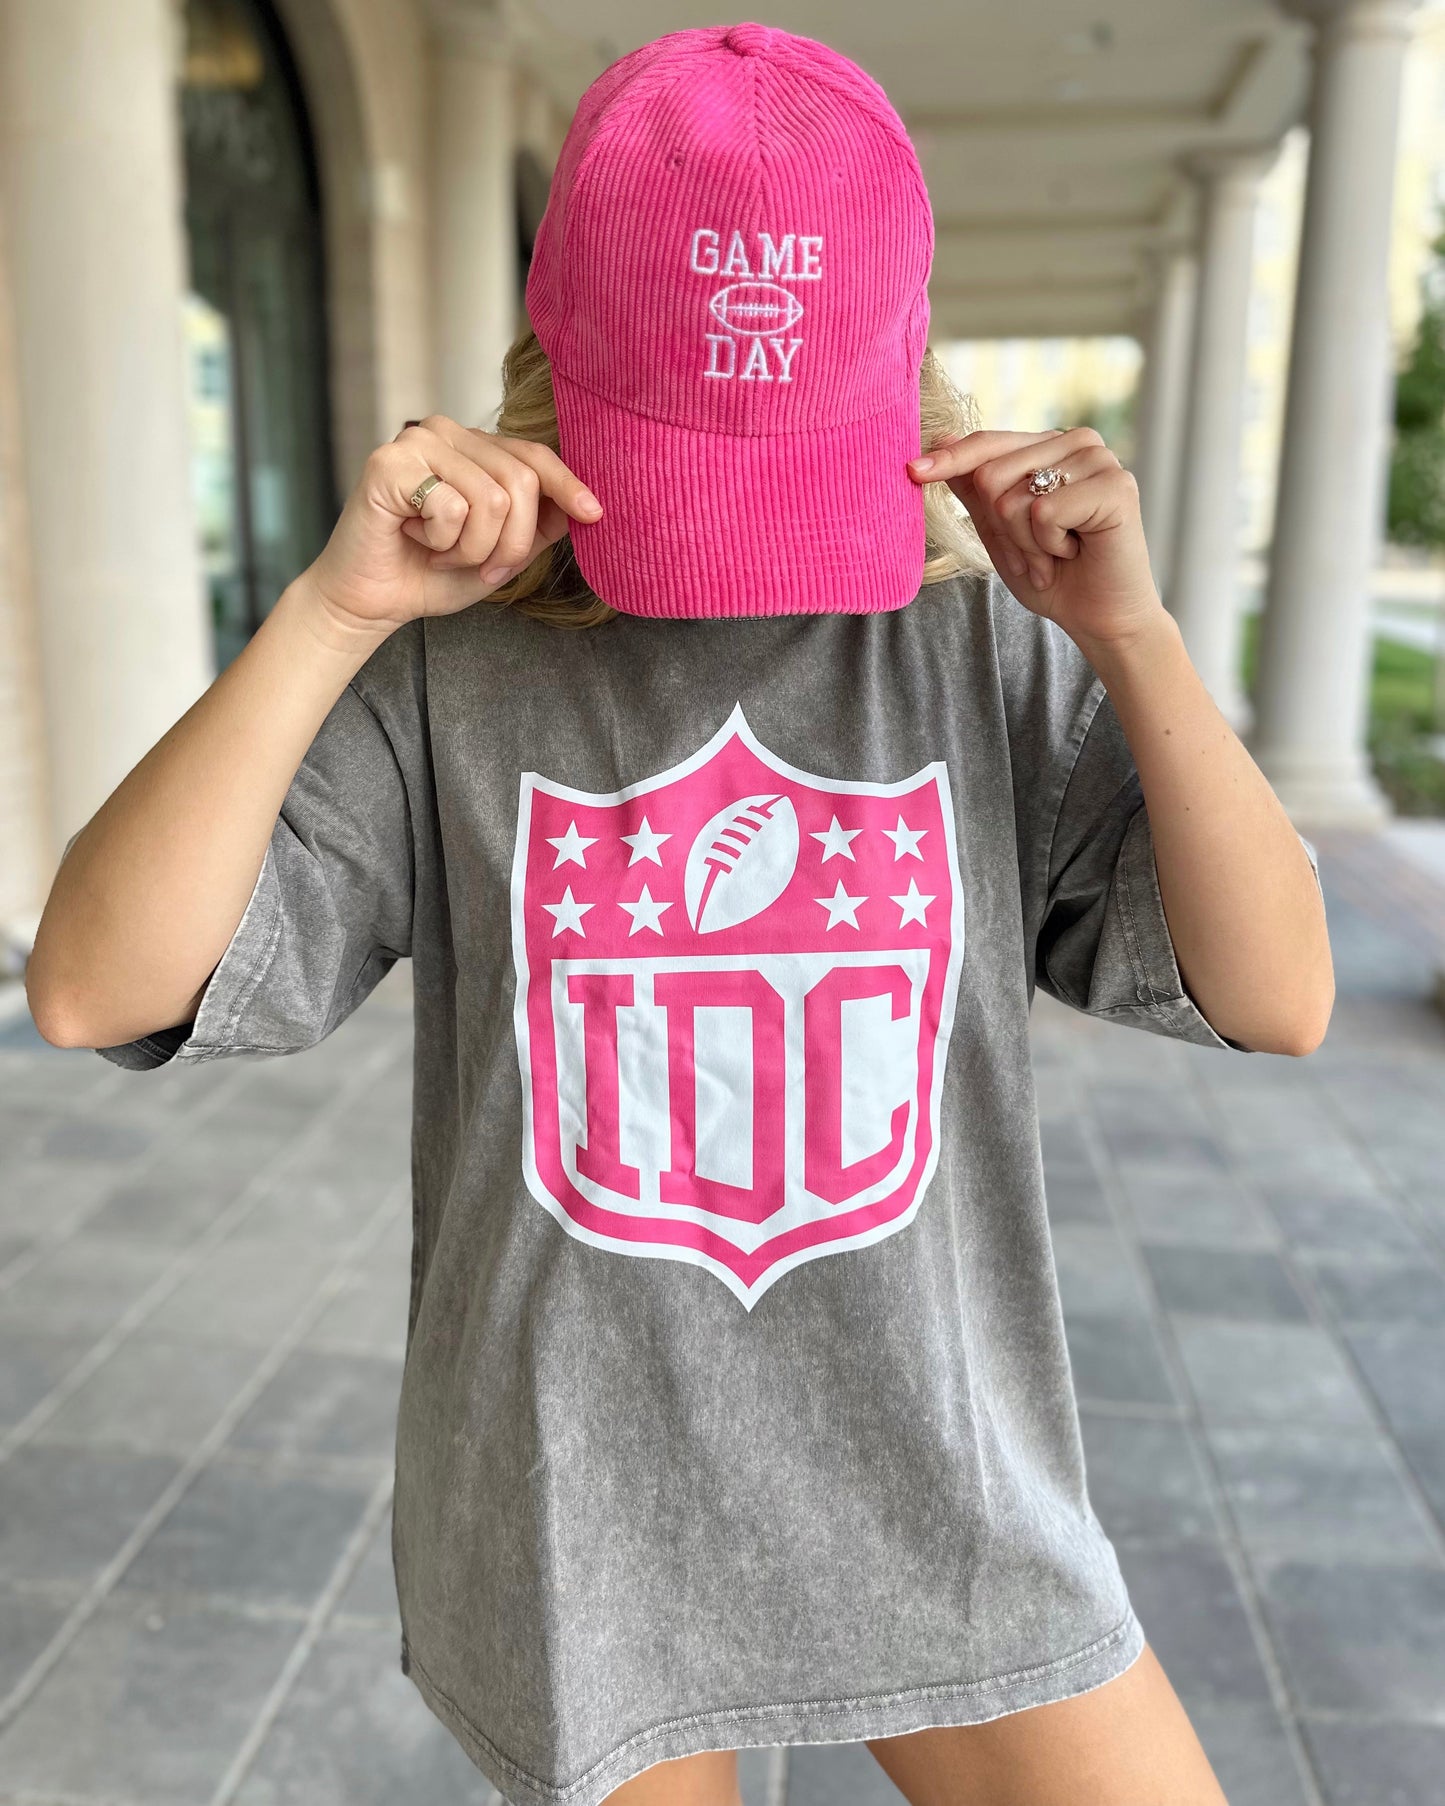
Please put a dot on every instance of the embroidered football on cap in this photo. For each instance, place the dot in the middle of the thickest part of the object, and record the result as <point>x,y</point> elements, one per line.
<point>741,862</point>
<point>757,308</point>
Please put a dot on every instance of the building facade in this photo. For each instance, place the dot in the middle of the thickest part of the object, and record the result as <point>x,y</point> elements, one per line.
<point>242,241</point>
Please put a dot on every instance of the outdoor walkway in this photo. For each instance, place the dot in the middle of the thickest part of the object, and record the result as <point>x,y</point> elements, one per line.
<point>202,1304</point>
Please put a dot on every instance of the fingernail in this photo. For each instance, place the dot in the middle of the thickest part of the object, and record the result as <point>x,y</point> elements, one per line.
<point>499,573</point>
<point>1038,578</point>
<point>921,464</point>
<point>589,502</point>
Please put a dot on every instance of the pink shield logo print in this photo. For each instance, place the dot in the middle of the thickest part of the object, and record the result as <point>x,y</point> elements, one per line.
<point>735,990</point>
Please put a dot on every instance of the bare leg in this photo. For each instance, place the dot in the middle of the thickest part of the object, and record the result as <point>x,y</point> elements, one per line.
<point>1127,1743</point>
<point>709,1779</point>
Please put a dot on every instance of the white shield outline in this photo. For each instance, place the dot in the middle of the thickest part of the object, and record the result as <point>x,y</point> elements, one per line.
<point>737,726</point>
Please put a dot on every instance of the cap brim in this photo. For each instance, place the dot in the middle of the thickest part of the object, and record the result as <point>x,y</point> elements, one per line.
<point>707,523</point>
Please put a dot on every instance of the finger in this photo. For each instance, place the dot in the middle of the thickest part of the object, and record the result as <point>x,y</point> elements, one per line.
<point>564,488</point>
<point>1052,517</point>
<point>499,454</point>
<point>1097,503</point>
<point>442,517</point>
<point>1003,488</point>
<point>489,502</point>
<point>1014,465</point>
<point>959,457</point>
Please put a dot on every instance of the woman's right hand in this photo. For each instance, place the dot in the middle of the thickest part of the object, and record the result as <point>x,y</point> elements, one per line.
<point>500,502</point>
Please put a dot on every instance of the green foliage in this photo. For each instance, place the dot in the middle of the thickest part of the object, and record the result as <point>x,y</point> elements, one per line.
<point>1401,720</point>
<point>1416,508</point>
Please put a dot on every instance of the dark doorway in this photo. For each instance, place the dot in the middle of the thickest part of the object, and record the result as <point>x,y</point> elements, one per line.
<point>256,316</point>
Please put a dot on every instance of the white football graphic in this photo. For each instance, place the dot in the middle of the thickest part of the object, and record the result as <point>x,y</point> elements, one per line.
<point>756,307</point>
<point>741,862</point>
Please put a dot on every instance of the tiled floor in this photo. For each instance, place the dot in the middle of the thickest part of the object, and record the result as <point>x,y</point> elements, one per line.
<point>202,1298</point>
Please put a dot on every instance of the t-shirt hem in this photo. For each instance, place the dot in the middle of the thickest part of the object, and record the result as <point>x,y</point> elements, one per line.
<point>838,1720</point>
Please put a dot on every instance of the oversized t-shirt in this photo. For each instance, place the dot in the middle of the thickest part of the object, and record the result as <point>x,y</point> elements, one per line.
<point>736,1407</point>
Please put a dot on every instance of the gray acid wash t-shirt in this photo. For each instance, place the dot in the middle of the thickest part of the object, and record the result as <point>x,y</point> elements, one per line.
<point>736,1407</point>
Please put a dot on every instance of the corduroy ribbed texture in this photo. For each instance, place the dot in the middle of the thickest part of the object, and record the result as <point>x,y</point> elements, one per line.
<point>730,282</point>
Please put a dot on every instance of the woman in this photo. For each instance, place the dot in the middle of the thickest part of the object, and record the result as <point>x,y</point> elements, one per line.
<point>736,1407</point>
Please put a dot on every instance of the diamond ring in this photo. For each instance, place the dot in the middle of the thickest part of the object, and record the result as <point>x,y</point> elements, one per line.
<point>1047,480</point>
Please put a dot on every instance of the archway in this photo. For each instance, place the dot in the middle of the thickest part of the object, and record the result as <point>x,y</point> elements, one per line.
<point>256,314</point>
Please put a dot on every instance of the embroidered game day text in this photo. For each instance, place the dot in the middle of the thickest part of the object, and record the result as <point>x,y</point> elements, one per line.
<point>757,312</point>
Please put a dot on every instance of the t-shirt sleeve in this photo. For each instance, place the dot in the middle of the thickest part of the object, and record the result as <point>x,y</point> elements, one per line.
<point>330,913</point>
<point>1104,945</point>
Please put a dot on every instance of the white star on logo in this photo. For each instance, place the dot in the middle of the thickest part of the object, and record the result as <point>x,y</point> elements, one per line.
<point>645,842</point>
<point>841,907</point>
<point>568,913</point>
<point>837,840</point>
<point>913,905</point>
<point>905,839</point>
<point>646,912</point>
<point>570,845</point>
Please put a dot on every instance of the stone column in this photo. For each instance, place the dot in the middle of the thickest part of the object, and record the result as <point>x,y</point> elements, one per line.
<point>474,219</point>
<point>1204,582</point>
<point>1313,688</point>
<point>1163,402</point>
<point>91,190</point>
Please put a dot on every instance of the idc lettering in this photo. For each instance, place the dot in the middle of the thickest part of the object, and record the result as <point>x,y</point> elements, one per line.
<point>754,308</point>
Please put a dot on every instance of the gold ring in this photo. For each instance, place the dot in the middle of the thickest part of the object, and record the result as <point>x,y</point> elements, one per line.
<point>418,496</point>
<point>1047,480</point>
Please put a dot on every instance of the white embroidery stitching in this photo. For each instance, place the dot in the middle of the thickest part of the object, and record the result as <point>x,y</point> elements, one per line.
<point>755,307</point>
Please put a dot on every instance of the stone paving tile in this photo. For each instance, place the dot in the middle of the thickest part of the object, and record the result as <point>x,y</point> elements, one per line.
<point>355,1732</point>
<point>1198,1211</point>
<point>1352,1225</point>
<point>369,1315</point>
<point>65,1512</point>
<point>1096,1275</point>
<point>326,1404</point>
<point>1077,1197</point>
<point>169,1205</point>
<point>1424,1450</point>
<point>1404,1364</point>
<point>1189,1603</point>
<point>1118,1360</point>
<point>1224,1282</point>
<point>155,1392</point>
<point>1285,1372</point>
<point>326,1213</point>
<point>370,1594</point>
<point>1361,1638</point>
<point>31,1365</point>
<point>81,1288</point>
<point>27,1623</point>
<point>830,1774</point>
<point>147,1706</point>
<point>1146,1478</point>
<point>1378,1764</point>
<point>1378,1289</point>
<point>240,1532</point>
<point>1321,1493</point>
<point>1250,1751</point>
<point>242,1292</point>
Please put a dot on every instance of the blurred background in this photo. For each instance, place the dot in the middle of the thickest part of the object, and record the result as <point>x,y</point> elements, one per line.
<point>241,241</point>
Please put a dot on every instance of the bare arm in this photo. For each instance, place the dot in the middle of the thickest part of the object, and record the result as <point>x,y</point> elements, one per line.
<point>151,892</point>
<point>1244,910</point>
<point>149,895</point>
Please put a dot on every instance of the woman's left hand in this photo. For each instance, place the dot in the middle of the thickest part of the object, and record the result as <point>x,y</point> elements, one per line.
<point>1077,554</point>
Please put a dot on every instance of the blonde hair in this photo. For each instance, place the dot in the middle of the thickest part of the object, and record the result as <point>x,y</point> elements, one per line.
<point>552,588</point>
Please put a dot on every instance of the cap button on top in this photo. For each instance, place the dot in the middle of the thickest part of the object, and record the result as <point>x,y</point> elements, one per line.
<point>749,40</point>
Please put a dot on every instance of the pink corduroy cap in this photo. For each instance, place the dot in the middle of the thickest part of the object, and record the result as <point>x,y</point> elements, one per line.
<point>731,284</point>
